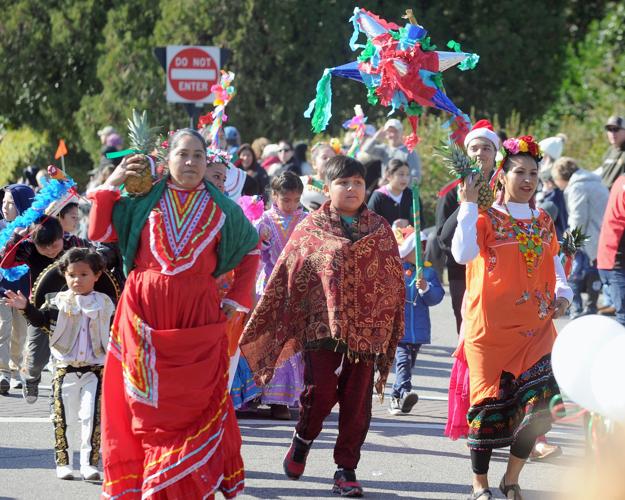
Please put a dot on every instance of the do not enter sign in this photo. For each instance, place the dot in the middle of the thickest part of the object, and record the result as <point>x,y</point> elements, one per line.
<point>191,72</point>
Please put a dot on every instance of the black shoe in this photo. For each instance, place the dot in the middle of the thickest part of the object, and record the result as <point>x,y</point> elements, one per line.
<point>5,385</point>
<point>407,401</point>
<point>346,484</point>
<point>30,391</point>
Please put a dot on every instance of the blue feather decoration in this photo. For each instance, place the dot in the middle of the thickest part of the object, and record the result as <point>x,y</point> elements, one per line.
<point>52,191</point>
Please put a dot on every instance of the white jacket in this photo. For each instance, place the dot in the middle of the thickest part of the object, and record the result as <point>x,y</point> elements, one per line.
<point>586,198</point>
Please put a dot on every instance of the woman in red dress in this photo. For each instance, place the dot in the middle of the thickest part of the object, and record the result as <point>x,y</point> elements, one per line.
<point>168,425</point>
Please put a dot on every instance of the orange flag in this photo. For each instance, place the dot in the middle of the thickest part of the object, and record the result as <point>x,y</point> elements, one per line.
<point>61,150</point>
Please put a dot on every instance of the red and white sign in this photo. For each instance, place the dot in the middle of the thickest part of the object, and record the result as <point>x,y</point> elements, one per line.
<point>191,72</point>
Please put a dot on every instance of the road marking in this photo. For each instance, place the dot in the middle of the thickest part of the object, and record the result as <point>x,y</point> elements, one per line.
<point>24,420</point>
<point>389,425</point>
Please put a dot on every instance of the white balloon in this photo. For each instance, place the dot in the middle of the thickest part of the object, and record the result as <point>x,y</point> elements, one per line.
<point>607,378</point>
<point>574,353</point>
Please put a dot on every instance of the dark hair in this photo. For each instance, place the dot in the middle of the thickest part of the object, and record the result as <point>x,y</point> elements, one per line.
<point>505,168</point>
<point>287,182</point>
<point>176,138</point>
<point>247,147</point>
<point>288,143</point>
<point>506,164</point>
<point>92,259</point>
<point>67,208</point>
<point>341,166</point>
<point>394,165</point>
<point>47,232</point>
<point>299,150</point>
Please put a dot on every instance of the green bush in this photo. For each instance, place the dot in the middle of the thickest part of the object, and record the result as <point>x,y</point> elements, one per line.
<point>21,148</point>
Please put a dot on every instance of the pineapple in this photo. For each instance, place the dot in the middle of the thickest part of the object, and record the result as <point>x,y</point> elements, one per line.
<point>572,241</point>
<point>142,138</point>
<point>461,166</point>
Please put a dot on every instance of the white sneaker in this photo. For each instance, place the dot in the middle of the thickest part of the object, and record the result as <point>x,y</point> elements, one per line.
<point>394,408</point>
<point>89,473</point>
<point>64,472</point>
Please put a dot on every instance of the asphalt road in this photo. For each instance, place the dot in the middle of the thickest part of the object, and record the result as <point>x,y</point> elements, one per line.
<point>403,457</point>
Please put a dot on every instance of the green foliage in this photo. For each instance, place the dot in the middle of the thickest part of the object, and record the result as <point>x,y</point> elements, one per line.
<point>130,74</point>
<point>69,67</point>
<point>591,89</point>
<point>19,149</point>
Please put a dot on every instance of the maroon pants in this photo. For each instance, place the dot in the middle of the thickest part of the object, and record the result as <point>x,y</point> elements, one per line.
<point>352,390</point>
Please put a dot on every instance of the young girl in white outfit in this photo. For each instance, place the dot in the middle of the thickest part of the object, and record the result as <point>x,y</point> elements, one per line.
<point>78,321</point>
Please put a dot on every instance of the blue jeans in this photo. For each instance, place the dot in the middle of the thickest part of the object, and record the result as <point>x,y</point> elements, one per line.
<point>405,358</point>
<point>615,279</point>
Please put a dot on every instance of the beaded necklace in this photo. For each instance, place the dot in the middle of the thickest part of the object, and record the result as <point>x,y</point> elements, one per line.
<point>530,242</point>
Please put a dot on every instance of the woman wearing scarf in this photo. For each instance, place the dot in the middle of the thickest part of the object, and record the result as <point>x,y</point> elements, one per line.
<point>158,440</point>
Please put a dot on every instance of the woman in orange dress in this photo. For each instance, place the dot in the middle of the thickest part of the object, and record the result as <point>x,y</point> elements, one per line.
<point>515,288</point>
<point>168,425</point>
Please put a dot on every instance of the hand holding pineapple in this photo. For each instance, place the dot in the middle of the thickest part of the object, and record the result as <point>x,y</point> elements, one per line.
<point>469,189</point>
<point>135,171</point>
<point>131,166</point>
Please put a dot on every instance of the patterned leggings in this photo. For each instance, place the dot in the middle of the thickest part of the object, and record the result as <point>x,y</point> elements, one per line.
<point>76,393</point>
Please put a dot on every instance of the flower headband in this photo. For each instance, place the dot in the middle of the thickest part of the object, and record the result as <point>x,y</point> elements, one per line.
<point>214,155</point>
<point>525,144</point>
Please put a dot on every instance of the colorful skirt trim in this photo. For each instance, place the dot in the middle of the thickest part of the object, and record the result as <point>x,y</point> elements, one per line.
<point>243,389</point>
<point>524,401</point>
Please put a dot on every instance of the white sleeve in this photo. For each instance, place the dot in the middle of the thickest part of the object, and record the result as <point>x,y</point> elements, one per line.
<point>562,287</point>
<point>464,245</point>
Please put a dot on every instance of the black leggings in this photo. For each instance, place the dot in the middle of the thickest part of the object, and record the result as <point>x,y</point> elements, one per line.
<point>521,448</point>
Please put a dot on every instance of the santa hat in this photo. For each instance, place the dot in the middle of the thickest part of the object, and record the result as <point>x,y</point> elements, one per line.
<point>483,128</point>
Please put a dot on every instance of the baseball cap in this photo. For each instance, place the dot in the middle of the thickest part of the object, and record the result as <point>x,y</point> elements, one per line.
<point>395,123</point>
<point>106,131</point>
<point>615,121</point>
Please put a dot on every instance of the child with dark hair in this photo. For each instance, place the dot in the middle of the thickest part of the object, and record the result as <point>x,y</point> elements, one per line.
<point>336,295</point>
<point>78,322</point>
<point>422,292</point>
<point>43,247</point>
<point>69,217</point>
<point>393,201</point>
<point>275,228</point>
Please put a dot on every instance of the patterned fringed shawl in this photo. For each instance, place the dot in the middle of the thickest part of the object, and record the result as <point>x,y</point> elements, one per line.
<point>326,286</point>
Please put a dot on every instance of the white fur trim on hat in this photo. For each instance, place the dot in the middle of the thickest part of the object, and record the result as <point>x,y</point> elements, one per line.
<point>484,133</point>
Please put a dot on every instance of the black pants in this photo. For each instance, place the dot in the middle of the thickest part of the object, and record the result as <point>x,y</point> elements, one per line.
<point>456,290</point>
<point>521,448</point>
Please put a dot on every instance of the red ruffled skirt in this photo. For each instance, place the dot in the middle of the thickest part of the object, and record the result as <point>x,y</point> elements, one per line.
<point>168,425</point>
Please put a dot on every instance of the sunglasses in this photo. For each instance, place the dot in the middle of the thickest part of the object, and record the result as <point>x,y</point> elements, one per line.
<point>614,130</point>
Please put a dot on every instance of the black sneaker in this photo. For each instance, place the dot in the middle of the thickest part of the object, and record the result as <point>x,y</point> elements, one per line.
<point>30,391</point>
<point>295,460</point>
<point>5,385</point>
<point>407,401</point>
<point>346,484</point>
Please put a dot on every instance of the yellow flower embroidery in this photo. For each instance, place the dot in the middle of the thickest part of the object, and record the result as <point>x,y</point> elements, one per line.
<point>522,238</point>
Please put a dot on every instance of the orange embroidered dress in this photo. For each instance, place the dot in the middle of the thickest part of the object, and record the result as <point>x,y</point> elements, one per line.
<point>169,429</point>
<point>508,326</point>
